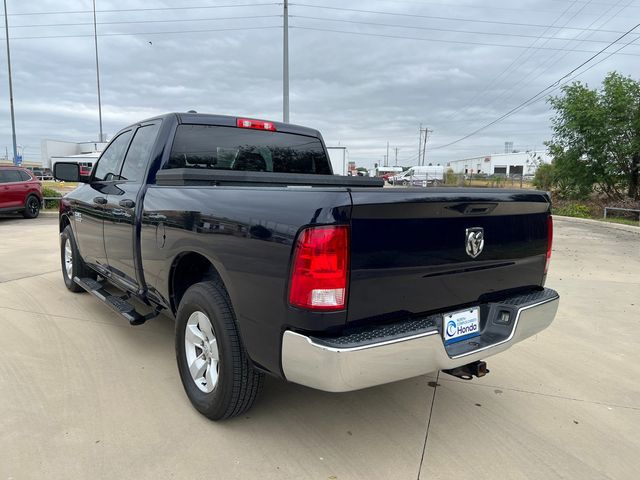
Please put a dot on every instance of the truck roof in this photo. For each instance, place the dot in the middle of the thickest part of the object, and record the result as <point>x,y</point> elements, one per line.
<point>230,121</point>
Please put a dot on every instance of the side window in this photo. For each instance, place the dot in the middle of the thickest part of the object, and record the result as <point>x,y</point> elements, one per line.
<point>139,152</point>
<point>3,179</point>
<point>25,176</point>
<point>111,159</point>
<point>12,176</point>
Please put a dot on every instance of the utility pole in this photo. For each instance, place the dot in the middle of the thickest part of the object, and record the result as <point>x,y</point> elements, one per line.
<point>419,143</point>
<point>422,144</point>
<point>386,158</point>
<point>95,41</point>
<point>396,157</point>
<point>285,64</point>
<point>13,120</point>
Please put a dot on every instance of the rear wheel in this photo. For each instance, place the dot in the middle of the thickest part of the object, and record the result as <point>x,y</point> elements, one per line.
<point>72,264</point>
<point>31,207</point>
<point>213,365</point>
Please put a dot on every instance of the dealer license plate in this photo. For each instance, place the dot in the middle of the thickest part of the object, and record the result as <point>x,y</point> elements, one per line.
<point>461,325</point>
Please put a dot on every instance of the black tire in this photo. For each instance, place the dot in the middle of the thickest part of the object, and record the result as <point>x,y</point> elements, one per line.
<point>31,207</point>
<point>238,383</point>
<point>78,267</point>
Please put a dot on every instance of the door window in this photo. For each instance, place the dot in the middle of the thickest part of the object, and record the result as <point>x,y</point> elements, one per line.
<point>11,176</point>
<point>111,159</point>
<point>24,176</point>
<point>139,152</point>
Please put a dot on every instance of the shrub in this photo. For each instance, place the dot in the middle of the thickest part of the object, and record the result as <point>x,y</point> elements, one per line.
<point>50,192</point>
<point>450,177</point>
<point>543,178</point>
<point>573,210</point>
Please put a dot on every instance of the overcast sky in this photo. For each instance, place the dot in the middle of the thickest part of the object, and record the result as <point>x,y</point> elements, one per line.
<point>465,63</point>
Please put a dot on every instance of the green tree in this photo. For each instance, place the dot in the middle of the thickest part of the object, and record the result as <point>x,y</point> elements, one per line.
<point>544,178</point>
<point>596,138</point>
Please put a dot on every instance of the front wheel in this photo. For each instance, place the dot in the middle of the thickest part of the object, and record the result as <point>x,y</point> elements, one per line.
<point>72,263</point>
<point>213,365</point>
<point>31,207</point>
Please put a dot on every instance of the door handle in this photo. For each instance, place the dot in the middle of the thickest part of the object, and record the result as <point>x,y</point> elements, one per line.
<point>126,203</point>
<point>100,200</point>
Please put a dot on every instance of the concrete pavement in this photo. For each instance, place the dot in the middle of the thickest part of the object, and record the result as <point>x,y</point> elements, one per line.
<point>83,395</point>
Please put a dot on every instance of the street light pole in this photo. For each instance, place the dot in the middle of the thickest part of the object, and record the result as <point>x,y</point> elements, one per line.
<point>13,120</point>
<point>95,40</point>
<point>285,64</point>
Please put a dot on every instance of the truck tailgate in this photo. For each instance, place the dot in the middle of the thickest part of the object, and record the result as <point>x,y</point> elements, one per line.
<point>408,249</point>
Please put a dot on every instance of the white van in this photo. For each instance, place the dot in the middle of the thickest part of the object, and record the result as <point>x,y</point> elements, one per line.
<point>421,175</point>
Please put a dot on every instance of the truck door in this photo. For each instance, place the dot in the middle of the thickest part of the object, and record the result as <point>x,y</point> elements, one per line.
<point>120,231</point>
<point>90,201</point>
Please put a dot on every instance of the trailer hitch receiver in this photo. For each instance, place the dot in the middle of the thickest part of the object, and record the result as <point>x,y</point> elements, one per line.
<point>470,370</point>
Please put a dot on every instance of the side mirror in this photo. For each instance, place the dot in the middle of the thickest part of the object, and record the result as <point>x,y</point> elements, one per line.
<point>68,172</point>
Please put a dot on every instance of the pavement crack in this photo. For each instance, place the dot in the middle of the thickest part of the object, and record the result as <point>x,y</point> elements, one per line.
<point>426,435</point>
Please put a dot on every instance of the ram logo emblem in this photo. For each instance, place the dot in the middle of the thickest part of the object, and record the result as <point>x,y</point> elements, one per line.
<point>474,241</point>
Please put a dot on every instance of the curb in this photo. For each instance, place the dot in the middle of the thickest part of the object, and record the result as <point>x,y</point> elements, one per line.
<point>49,213</point>
<point>614,226</point>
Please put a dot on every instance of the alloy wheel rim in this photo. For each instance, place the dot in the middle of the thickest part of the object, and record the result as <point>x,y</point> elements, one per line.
<point>201,350</point>
<point>68,258</point>
<point>33,206</point>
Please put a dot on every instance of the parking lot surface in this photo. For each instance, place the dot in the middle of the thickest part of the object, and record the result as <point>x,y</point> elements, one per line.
<point>84,395</point>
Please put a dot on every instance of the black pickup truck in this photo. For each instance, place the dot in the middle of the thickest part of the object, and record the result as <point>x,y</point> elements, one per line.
<point>270,264</point>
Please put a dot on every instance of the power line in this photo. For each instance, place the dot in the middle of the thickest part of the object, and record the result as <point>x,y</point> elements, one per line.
<point>505,73</point>
<point>558,87</point>
<point>475,32</point>
<point>542,92</point>
<point>146,33</point>
<point>558,56</point>
<point>459,42</point>
<point>457,19</point>
<point>132,22</point>
<point>149,9</point>
<point>128,22</point>
<point>519,85</point>
<point>484,6</point>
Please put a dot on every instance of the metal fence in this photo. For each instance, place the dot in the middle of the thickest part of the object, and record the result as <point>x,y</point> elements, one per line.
<point>467,180</point>
<point>606,211</point>
<point>48,202</point>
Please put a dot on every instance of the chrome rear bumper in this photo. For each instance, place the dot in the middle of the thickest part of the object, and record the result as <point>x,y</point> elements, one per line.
<point>335,367</point>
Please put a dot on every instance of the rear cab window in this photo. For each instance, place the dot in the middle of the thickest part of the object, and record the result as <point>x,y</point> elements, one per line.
<point>231,148</point>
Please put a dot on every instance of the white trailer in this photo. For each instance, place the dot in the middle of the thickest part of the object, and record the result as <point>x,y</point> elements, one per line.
<point>338,157</point>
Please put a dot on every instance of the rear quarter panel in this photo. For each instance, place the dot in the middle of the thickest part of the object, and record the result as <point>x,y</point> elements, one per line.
<point>247,234</point>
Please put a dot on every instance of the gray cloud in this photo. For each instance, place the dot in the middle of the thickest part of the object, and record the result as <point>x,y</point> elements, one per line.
<point>360,91</point>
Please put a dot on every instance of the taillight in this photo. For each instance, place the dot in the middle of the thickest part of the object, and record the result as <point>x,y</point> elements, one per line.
<point>549,242</point>
<point>255,124</point>
<point>320,269</point>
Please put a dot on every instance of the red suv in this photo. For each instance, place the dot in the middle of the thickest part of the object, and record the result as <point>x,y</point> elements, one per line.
<point>20,191</point>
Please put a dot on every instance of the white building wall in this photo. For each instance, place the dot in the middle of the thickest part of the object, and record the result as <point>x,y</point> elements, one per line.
<point>505,163</point>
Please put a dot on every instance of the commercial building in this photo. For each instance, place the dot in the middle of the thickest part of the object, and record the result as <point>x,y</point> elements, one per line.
<point>52,151</point>
<point>515,163</point>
